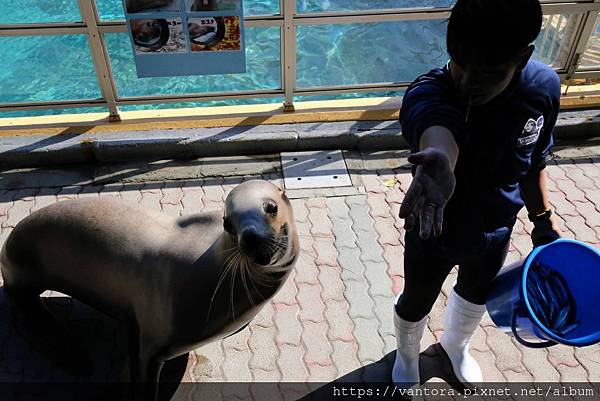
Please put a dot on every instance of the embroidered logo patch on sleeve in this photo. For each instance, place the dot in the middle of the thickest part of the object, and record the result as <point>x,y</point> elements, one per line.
<point>531,132</point>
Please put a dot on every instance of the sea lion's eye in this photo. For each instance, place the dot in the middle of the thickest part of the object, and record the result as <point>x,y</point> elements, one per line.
<point>271,207</point>
<point>227,226</point>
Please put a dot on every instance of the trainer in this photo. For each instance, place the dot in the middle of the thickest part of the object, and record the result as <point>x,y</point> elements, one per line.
<point>479,131</point>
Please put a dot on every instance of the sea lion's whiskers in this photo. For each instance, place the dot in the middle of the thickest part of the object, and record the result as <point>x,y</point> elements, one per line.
<point>229,249</point>
<point>243,268</point>
<point>279,242</point>
<point>232,287</point>
<point>324,262</point>
<point>233,254</point>
<point>269,275</point>
<point>305,252</point>
<point>252,280</point>
<point>263,274</point>
<point>212,299</point>
<point>269,270</point>
<point>260,276</point>
<point>272,241</point>
<point>274,247</point>
<point>327,236</point>
<point>227,267</point>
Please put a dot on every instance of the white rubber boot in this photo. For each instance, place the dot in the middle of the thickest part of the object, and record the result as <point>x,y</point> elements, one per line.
<point>460,321</point>
<point>405,373</point>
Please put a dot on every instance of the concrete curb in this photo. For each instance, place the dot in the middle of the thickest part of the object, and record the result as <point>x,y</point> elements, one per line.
<point>40,150</point>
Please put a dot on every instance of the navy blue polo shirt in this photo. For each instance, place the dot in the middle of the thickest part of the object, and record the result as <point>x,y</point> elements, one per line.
<point>498,144</point>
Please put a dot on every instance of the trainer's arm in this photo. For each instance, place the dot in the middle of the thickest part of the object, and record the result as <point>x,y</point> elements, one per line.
<point>534,193</point>
<point>433,183</point>
<point>535,197</point>
<point>441,139</point>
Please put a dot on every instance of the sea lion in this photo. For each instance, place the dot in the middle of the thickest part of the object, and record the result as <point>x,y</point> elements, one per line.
<point>177,283</point>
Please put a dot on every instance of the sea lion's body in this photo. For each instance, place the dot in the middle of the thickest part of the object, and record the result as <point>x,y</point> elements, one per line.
<point>166,278</point>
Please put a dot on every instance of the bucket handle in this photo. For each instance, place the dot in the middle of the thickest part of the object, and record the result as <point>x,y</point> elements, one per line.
<point>513,328</point>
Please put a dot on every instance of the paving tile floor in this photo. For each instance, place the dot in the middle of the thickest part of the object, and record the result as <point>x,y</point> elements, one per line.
<point>333,318</point>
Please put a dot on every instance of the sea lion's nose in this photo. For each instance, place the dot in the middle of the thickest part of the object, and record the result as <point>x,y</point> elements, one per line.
<point>254,244</point>
<point>250,237</point>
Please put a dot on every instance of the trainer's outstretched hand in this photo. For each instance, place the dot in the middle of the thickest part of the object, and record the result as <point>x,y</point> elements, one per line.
<point>432,186</point>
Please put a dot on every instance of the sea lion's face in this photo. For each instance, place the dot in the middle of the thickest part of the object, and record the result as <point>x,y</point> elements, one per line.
<point>259,217</point>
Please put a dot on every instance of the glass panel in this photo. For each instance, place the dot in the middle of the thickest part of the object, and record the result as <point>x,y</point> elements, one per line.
<point>28,11</point>
<point>311,6</point>
<point>261,7</point>
<point>37,68</point>
<point>214,103</point>
<point>262,63</point>
<point>352,54</point>
<point>111,10</point>
<point>591,57</point>
<point>357,95</point>
<point>52,112</point>
<point>556,38</point>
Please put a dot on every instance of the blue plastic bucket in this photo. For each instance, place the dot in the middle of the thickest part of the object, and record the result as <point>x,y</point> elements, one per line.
<point>510,308</point>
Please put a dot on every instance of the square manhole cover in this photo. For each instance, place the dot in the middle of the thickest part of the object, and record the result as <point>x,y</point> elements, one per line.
<point>319,169</point>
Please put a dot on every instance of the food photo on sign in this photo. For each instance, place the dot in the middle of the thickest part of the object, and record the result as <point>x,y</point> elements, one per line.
<point>161,35</point>
<point>214,34</point>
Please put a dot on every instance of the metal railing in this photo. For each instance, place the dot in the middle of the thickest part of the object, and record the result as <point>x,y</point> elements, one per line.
<point>287,20</point>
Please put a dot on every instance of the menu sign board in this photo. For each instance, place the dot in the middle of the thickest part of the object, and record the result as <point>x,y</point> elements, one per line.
<point>186,37</point>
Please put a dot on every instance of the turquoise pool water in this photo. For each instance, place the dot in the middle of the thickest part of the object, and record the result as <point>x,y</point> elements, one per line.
<point>60,67</point>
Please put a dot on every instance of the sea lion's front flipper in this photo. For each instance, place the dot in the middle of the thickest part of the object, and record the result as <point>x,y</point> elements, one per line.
<point>145,365</point>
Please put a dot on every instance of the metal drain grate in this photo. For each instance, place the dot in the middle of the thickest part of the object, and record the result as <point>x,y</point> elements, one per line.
<point>320,169</point>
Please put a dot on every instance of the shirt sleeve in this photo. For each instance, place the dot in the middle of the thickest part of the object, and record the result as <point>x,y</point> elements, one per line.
<point>546,140</point>
<point>426,103</point>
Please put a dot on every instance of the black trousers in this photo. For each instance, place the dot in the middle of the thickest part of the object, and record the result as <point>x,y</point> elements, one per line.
<point>427,263</point>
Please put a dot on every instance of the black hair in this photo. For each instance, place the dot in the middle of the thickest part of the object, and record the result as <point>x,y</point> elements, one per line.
<point>492,31</point>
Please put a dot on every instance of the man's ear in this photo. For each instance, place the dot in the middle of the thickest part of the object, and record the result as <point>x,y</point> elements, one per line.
<point>525,56</point>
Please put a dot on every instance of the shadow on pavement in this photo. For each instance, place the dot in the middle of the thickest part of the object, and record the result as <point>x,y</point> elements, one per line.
<point>375,378</point>
<point>29,368</point>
